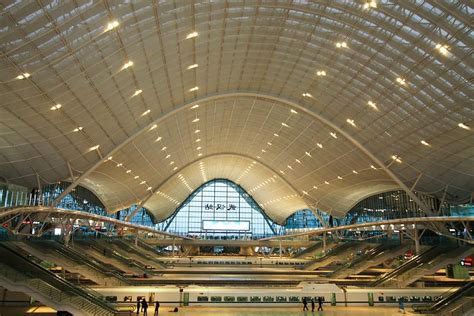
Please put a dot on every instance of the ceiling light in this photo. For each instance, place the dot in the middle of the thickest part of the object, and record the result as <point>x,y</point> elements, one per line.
<point>164,148</point>
<point>370,4</point>
<point>319,145</point>
<point>194,89</point>
<point>341,44</point>
<point>401,81</point>
<point>293,111</point>
<point>258,157</point>
<point>197,131</point>
<point>127,65</point>
<point>149,188</point>
<point>158,139</point>
<point>443,49</point>
<point>195,106</point>
<point>153,127</point>
<point>175,168</point>
<point>199,155</point>
<point>315,187</point>
<point>373,167</point>
<point>137,93</point>
<point>326,182</point>
<point>290,167</point>
<point>275,134</point>
<point>372,105</point>
<point>305,193</point>
<point>128,171</point>
<point>284,124</point>
<point>94,147</point>
<point>351,122</point>
<point>110,158</point>
<point>119,164</point>
<point>298,161</point>
<point>307,154</point>
<point>425,143</point>
<point>136,177</point>
<point>167,156</point>
<point>282,172</point>
<point>339,177</point>
<point>193,66</point>
<point>77,129</point>
<point>333,135</point>
<point>307,95</point>
<point>198,148</point>
<point>146,112</point>
<point>111,26</point>
<point>264,151</point>
<point>196,120</point>
<point>353,171</point>
<point>464,126</point>
<point>56,107</point>
<point>269,144</point>
<point>321,73</point>
<point>171,163</point>
<point>192,35</point>
<point>143,182</point>
<point>198,140</point>
<point>23,76</point>
<point>397,159</point>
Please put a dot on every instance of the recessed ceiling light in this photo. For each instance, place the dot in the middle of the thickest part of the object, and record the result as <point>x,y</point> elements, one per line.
<point>193,66</point>
<point>264,151</point>
<point>293,111</point>
<point>307,154</point>
<point>110,158</point>
<point>397,158</point>
<point>197,131</point>
<point>128,171</point>
<point>175,168</point>
<point>94,147</point>
<point>198,140</point>
<point>198,148</point>
<point>111,25</point>
<point>401,81</point>
<point>164,148</point>
<point>464,126</point>
<point>326,182</point>
<point>258,157</point>
<point>143,182</point>
<point>146,112</point>
<point>269,144</point>
<point>339,177</point>
<point>153,127</point>
<point>298,161</point>
<point>56,107</point>
<point>199,155</point>
<point>333,135</point>
<point>307,95</point>
<point>77,129</point>
<point>319,145</point>
<point>119,164</point>
<point>305,193</point>
<point>370,4</point>
<point>321,73</point>
<point>171,163</point>
<point>149,188</point>
<point>23,76</point>
<point>290,167</point>
<point>351,122</point>
<point>196,120</point>
<point>353,171</point>
<point>373,167</point>
<point>284,124</point>
<point>195,106</point>
<point>341,44</point>
<point>424,142</point>
<point>315,187</point>
<point>194,89</point>
<point>192,35</point>
<point>372,105</point>
<point>158,139</point>
<point>275,134</point>
<point>136,177</point>
<point>167,156</point>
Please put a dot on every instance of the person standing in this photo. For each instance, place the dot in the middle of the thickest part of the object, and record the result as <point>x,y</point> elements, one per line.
<point>312,304</point>
<point>320,303</point>
<point>305,304</point>
<point>144,307</point>
<point>138,306</point>
<point>401,305</point>
<point>157,307</point>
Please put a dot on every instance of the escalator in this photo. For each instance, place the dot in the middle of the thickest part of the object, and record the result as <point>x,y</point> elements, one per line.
<point>19,268</point>
<point>410,264</point>
<point>138,253</point>
<point>439,307</point>
<point>317,247</point>
<point>339,252</point>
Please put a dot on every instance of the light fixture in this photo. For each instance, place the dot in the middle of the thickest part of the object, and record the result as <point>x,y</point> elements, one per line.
<point>153,127</point>
<point>149,188</point>
<point>464,126</point>
<point>158,139</point>
<point>194,89</point>
<point>293,111</point>
<point>370,4</point>
<point>319,145</point>
<point>351,122</point>
<point>128,171</point>
<point>284,124</point>
<point>119,164</point>
<point>315,187</point>
<point>23,76</point>
<point>56,107</point>
<point>193,66</point>
<point>307,154</point>
<point>424,142</point>
<point>353,171</point>
<point>341,44</point>
<point>94,147</point>
<point>333,135</point>
<point>167,156</point>
<point>443,49</point>
<point>197,131</point>
<point>171,163</point>
<point>298,161</point>
<point>321,73</point>
<point>143,182</point>
<point>326,182</point>
<point>198,140</point>
<point>175,168</point>
<point>77,129</point>
<point>372,105</point>
<point>401,81</point>
<point>137,93</point>
<point>269,144</point>
<point>307,95</point>
<point>275,134</point>
<point>136,177</point>
<point>290,167</point>
<point>192,35</point>
<point>198,148</point>
<point>111,25</point>
<point>146,112</point>
<point>199,155</point>
<point>196,120</point>
<point>164,148</point>
<point>305,193</point>
<point>396,158</point>
<point>110,158</point>
<point>127,65</point>
<point>264,151</point>
<point>339,177</point>
<point>373,167</point>
<point>195,106</point>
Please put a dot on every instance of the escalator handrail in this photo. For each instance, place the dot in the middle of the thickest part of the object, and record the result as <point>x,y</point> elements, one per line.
<point>447,299</point>
<point>67,286</point>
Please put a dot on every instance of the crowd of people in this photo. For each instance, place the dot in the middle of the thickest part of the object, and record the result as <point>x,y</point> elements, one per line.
<point>320,304</point>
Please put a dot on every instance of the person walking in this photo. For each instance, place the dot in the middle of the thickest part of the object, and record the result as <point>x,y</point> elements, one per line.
<point>320,303</point>
<point>157,307</point>
<point>401,305</point>
<point>138,306</point>
<point>312,304</point>
<point>305,304</point>
<point>144,307</point>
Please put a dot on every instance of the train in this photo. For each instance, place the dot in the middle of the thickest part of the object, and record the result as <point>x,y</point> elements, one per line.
<point>233,260</point>
<point>269,296</point>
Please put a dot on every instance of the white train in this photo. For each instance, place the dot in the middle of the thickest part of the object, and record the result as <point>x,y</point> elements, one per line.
<point>233,260</point>
<point>288,297</point>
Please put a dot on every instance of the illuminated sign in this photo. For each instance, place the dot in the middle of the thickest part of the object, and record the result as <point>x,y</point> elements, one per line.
<point>210,207</point>
<point>226,225</point>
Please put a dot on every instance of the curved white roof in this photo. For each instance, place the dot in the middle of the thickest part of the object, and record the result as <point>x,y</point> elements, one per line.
<point>308,104</point>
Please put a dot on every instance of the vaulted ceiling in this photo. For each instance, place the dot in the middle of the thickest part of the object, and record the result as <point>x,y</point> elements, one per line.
<point>303,103</point>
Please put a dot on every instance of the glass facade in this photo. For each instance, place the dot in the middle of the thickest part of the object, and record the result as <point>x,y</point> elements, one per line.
<point>220,209</point>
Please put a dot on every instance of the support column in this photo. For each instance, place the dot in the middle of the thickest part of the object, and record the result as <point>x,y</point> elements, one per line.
<point>417,241</point>
<point>324,242</point>
<point>280,248</point>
